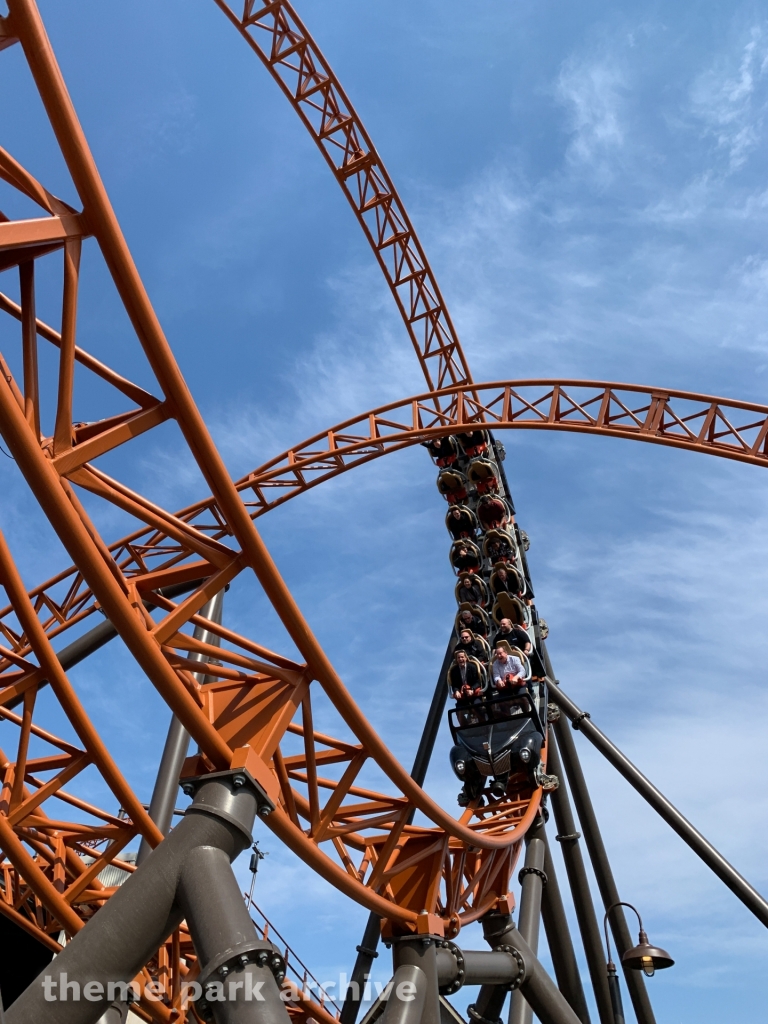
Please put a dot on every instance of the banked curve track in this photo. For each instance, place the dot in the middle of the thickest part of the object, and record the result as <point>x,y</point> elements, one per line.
<point>277,35</point>
<point>154,558</point>
<point>261,706</point>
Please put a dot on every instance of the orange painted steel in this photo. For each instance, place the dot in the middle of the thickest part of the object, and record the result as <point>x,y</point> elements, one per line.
<point>652,415</point>
<point>253,708</point>
<point>277,35</point>
<point>724,427</point>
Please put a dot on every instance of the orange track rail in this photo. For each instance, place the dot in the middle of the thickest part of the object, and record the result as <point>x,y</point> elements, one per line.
<point>343,805</point>
<point>279,38</point>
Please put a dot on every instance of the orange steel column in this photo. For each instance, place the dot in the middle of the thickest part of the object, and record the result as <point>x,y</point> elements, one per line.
<point>47,488</point>
<point>14,587</point>
<point>101,218</point>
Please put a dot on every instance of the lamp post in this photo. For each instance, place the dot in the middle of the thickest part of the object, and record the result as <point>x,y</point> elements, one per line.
<point>642,957</point>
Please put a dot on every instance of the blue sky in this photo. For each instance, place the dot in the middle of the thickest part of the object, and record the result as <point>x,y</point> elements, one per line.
<point>588,181</point>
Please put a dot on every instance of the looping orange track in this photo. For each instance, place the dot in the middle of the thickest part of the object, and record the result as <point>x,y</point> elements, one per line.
<point>343,805</point>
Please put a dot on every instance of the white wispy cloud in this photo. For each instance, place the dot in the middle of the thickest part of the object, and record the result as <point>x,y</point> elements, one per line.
<point>592,91</point>
<point>634,250</point>
<point>730,97</point>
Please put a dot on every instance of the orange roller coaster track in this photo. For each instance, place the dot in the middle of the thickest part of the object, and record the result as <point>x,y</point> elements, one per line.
<point>253,708</point>
<point>680,419</point>
<point>172,549</point>
<point>277,35</point>
<point>345,805</point>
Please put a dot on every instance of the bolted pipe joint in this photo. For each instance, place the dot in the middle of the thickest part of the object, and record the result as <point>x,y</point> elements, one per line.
<point>233,796</point>
<point>450,967</point>
<point>497,926</point>
<point>188,876</point>
<point>476,1016</point>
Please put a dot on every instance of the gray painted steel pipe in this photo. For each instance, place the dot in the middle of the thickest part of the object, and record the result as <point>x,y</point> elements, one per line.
<point>690,835</point>
<point>579,884</point>
<point>407,1010</point>
<point>559,938</point>
<point>529,915</point>
<point>163,801</point>
<point>421,951</point>
<point>127,930</point>
<point>367,950</point>
<point>519,967</point>
<point>225,939</point>
<point>483,967</point>
<point>600,864</point>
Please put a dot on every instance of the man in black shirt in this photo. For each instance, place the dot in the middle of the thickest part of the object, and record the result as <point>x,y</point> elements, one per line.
<point>506,580</point>
<point>464,557</point>
<point>515,636</point>
<point>470,645</point>
<point>460,522</point>
<point>465,678</point>
<point>469,620</point>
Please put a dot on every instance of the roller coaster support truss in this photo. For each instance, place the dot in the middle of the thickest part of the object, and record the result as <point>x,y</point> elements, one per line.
<point>187,878</point>
<point>367,950</point>
<point>532,881</point>
<point>512,964</point>
<point>559,936</point>
<point>581,721</point>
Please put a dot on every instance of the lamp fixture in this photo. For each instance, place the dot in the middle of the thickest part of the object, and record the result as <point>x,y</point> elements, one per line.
<point>642,957</point>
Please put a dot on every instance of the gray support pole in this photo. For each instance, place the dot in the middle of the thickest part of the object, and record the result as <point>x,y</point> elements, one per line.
<point>366,954</point>
<point>701,846</point>
<point>532,883</point>
<point>366,951</point>
<point>420,951</point>
<point>163,800</point>
<point>579,885</point>
<point>116,943</point>
<point>600,864</point>
<point>406,1010</point>
<point>234,961</point>
<point>432,724</point>
<point>514,964</point>
<point>559,938</point>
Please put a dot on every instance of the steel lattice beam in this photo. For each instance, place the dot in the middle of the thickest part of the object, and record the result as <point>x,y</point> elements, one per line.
<point>279,38</point>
